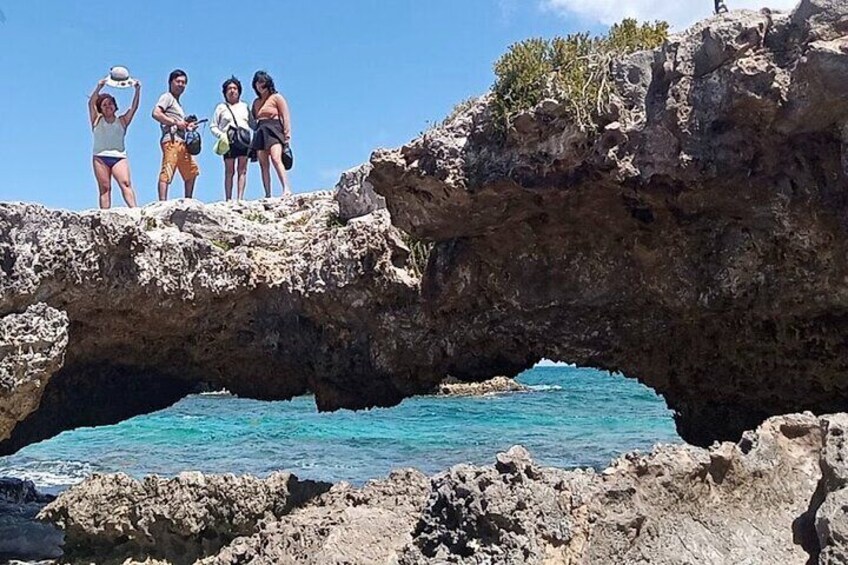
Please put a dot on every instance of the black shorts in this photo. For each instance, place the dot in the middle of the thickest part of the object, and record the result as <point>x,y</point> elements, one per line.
<point>268,133</point>
<point>236,152</point>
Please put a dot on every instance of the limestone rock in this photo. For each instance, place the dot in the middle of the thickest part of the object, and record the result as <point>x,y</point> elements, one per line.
<point>453,387</point>
<point>694,242</point>
<point>355,195</point>
<point>32,349</point>
<point>178,519</point>
<point>21,536</point>
<point>366,526</point>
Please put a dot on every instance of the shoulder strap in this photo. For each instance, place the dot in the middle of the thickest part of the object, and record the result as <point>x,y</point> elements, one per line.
<point>235,121</point>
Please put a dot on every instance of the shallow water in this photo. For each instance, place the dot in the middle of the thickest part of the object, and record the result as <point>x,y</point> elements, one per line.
<point>573,418</point>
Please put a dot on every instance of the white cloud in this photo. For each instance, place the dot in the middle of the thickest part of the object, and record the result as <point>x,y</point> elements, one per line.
<point>679,14</point>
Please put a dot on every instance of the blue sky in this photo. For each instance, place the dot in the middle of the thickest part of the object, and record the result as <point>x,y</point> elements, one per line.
<point>358,74</point>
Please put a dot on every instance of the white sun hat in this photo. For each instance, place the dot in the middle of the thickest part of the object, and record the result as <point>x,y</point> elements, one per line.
<point>119,77</point>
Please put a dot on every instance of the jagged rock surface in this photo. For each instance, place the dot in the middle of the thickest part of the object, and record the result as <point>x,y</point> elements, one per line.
<point>32,349</point>
<point>695,242</point>
<point>21,536</point>
<point>180,519</point>
<point>355,195</point>
<point>776,496</point>
<point>497,385</point>
<point>267,299</point>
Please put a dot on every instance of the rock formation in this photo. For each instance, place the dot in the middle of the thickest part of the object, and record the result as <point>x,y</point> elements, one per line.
<point>452,387</point>
<point>179,519</point>
<point>776,496</point>
<point>695,242</point>
<point>21,536</point>
<point>105,315</point>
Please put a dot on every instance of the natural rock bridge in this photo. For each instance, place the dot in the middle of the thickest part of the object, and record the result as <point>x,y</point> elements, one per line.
<point>698,243</point>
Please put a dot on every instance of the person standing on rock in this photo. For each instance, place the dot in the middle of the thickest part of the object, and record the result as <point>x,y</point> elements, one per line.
<point>720,7</point>
<point>110,156</point>
<point>273,132</point>
<point>172,120</point>
<point>232,122</point>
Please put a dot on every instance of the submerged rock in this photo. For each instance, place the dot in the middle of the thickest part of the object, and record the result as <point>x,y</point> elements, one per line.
<point>497,385</point>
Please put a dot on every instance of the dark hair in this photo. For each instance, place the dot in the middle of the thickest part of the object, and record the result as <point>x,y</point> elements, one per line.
<point>101,97</point>
<point>266,78</point>
<point>228,82</point>
<point>175,74</point>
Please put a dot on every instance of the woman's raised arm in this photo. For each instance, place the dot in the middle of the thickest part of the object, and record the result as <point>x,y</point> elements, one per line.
<point>130,114</point>
<point>92,102</point>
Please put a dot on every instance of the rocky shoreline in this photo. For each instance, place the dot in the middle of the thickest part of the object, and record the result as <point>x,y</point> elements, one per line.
<point>776,496</point>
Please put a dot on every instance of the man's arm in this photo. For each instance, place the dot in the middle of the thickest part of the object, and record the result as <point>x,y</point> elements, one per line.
<point>160,116</point>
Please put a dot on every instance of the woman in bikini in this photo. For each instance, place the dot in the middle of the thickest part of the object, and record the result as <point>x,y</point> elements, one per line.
<point>273,130</point>
<point>110,155</point>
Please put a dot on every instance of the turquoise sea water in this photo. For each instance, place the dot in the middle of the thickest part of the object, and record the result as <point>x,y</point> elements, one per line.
<point>572,418</point>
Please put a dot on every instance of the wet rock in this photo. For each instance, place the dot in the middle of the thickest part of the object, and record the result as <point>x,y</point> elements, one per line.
<point>22,537</point>
<point>453,387</point>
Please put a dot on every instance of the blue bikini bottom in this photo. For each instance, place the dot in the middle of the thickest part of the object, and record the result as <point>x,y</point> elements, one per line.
<point>109,161</point>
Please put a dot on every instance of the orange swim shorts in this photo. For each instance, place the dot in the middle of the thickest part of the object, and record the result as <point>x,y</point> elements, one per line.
<point>175,157</point>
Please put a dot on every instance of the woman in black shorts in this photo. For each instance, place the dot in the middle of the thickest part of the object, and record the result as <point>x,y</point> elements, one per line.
<point>231,116</point>
<point>273,131</point>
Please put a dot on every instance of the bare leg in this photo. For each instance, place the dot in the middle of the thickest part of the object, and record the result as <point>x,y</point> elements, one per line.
<point>104,183</point>
<point>242,176</point>
<point>229,170</point>
<point>163,190</point>
<point>266,172</point>
<point>121,172</point>
<point>189,187</point>
<point>277,160</point>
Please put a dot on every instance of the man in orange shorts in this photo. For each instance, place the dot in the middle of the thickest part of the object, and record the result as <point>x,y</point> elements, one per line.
<point>175,156</point>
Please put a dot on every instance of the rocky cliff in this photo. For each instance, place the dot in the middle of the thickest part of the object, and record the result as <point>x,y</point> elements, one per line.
<point>696,242</point>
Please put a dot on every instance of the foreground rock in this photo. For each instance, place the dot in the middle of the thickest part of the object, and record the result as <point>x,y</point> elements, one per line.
<point>776,496</point>
<point>180,519</point>
<point>21,535</point>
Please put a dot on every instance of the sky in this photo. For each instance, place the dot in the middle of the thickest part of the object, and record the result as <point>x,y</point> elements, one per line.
<point>357,74</point>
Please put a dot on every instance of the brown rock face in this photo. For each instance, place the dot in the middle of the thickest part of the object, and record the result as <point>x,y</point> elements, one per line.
<point>696,243</point>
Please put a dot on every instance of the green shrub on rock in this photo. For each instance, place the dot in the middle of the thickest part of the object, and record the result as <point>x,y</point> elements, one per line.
<point>574,69</point>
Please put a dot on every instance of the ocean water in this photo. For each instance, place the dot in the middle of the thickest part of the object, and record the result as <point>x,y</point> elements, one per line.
<point>572,418</point>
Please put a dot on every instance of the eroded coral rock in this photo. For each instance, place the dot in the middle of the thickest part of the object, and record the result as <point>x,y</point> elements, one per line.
<point>179,519</point>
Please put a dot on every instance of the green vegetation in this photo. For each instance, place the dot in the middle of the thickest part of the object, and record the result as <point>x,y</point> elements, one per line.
<point>458,109</point>
<point>335,221</point>
<point>258,217</point>
<point>419,254</point>
<point>222,245</point>
<point>574,69</point>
